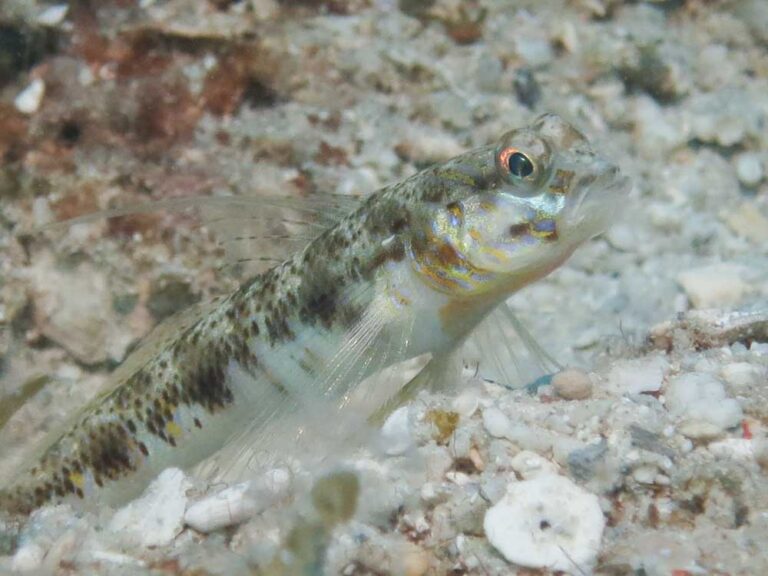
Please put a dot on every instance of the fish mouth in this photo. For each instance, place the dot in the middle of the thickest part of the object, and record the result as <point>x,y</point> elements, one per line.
<point>598,202</point>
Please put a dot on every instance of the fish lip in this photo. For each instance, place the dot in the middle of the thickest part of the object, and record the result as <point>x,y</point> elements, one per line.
<point>597,205</point>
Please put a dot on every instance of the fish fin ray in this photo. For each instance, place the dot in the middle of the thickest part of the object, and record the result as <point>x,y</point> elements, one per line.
<point>518,360</point>
<point>254,232</point>
<point>327,395</point>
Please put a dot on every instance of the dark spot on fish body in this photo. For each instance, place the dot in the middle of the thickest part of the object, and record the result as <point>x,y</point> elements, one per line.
<point>277,327</point>
<point>520,229</point>
<point>436,188</point>
<point>319,307</point>
<point>107,451</point>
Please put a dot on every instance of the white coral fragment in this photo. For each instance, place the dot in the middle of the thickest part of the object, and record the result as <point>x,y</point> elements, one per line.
<point>547,522</point>
<point>155,519</point>
<point>237,503</point>
<point>30,99</point>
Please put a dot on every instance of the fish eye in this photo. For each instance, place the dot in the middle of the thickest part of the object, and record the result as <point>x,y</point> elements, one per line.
<point>516,163</point>
<point>519,165</point>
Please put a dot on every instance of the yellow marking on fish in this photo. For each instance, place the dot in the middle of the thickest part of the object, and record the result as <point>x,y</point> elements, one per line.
<point>458,176</point>
<point>455,209</point>
<point>78,480</point>
<point>401,298</point>
<point>173,429</point>
<point>488,207</point>
<point>500,255</point>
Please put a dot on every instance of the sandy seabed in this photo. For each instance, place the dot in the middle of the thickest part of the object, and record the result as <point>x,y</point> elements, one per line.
<point>650,459</point>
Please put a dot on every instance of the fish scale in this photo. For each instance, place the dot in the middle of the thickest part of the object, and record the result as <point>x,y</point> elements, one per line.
<point>413,270</point>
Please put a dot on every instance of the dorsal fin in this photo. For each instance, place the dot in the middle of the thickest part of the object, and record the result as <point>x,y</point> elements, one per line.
<point>255,232</point>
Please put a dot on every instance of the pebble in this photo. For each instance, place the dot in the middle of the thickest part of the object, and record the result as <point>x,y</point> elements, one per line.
<point>496,422</point>
<point>547,522</point>
<point>237,503</point>
<point>749,169</point>
<point>498,425</point>
<point>638,376</point>
<point>29,100</point>
<point>748,221</point>
<point>426,146</point>
<point>53,15</point>
<point>701,406</point>
<point>396,436</point>
<point>583,462</point>
<point>741,374</point>
<point>725,117</point>
<point>531,465</point>
<point>466,403</point>
<point>415,560</point>
<point>714,286</point>
<point>572,384</point>
<point>157,517</point>
<point>760,452</point>
<point>28,558</point>
<point>645,474</point>
<point>74,309</point>
<point>735,448</point>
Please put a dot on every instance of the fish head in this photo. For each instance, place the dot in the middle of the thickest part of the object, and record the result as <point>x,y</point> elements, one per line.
<point>537,195</point>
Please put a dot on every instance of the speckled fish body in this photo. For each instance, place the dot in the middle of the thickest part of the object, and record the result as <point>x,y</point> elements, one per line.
<point>412,270</point>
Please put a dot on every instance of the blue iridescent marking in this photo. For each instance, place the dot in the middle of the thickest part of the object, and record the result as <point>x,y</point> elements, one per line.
<point>546,225</point>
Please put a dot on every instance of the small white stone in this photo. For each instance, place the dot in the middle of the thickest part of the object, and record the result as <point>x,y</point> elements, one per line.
<point>759,348</point>
<point>85,76</point>
<point>29,100</point>
<point>466,403</point>
<point>749,169</point>
<point>747,220</point>
<point>548,522</point>
<point>428,492</point>
<point>115,558</point>
<point>264,9</point>
<point>760,451</point>
<point>714,286</point>
<point>53,15</point>
<point>458,478</point>
<point>396,435</point>
<point>572,384</point>
<point>28,558</point>
<point>157,517</point>
<point>531,465</point>
<point>496,422</point>
<point>645,474</point>
<point>736,448</point>
<point>228,507</point>
<point>741,374</point>
<point>701,406</point>
<point>41,211</point>
<point>638,376</point>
